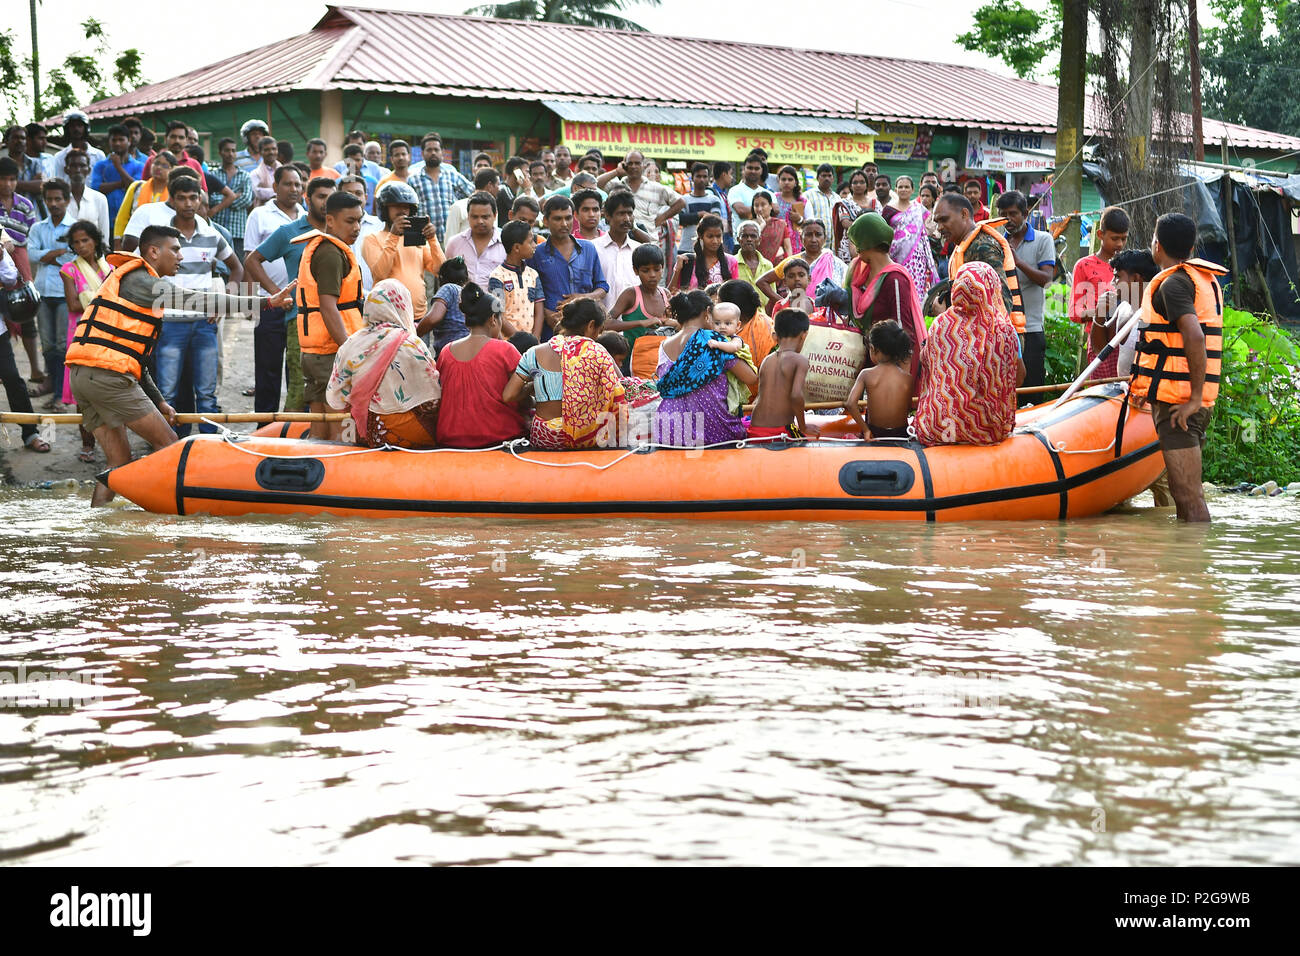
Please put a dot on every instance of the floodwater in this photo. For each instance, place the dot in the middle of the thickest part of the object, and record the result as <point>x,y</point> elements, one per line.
<point>1122,690</point>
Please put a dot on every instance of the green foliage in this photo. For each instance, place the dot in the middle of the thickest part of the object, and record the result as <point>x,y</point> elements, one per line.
<point>1255,432</point>
<point>1249,74</point>
<point>75,82</point>
<point>1064,338</point>
<point>1019,36</point>
<point>586,13</point>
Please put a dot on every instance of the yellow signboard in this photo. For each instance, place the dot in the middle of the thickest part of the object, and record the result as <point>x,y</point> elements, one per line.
<point>709,143</point>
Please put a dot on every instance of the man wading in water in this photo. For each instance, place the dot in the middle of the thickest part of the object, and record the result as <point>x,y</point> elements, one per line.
<point>106,359</point>
<point>1179,357</point>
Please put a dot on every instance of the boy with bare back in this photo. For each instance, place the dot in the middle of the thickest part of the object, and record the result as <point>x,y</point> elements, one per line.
<point>887,383</point>
<point>779,409</point>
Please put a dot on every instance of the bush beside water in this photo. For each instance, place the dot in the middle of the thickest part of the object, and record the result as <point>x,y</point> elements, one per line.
<point>1255,432</point>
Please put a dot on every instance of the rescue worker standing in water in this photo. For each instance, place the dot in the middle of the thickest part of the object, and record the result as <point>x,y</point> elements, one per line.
<point>1179,357</point>
<point>107,358</point>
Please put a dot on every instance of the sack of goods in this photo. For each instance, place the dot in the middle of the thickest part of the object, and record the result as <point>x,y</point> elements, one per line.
<point>834,358</point>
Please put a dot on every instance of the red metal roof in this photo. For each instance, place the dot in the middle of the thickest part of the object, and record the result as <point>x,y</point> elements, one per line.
<point>370,49</point>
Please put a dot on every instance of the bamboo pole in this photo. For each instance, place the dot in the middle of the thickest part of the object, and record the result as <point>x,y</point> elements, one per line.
<point>1032,390</point>
<point>265,418</point>
<point>183,418</point>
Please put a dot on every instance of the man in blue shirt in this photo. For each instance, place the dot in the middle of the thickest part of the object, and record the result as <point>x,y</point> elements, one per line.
<point>111,176</point>
<point>279,340</point>
<point>568,267</point>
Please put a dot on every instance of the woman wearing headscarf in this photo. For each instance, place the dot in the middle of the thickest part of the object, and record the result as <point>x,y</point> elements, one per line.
<point>385,376</point>
<point>576,385</point>
<point>879,288</point>
<point>970,366</point>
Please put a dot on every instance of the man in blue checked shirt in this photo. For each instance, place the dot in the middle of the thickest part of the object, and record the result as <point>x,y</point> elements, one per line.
<point>438,186</point>
<point>568,267</point>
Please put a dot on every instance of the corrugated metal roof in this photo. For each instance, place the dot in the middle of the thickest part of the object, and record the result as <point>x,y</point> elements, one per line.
<point>369,49</point>
<point>588,112</point>
<point>275,68</point>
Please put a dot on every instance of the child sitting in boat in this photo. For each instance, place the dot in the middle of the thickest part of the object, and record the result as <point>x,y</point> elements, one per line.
<point>778,413</point>
<point>726,321</point>
<point>888,383</point>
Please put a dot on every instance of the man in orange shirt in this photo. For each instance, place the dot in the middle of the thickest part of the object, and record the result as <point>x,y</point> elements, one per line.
<point>399,156</point>
<point>316,161</point>
<point>385,252</point>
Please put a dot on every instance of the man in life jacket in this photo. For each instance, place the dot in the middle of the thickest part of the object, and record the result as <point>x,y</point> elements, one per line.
<point>107,360</point>
<point>1179,357</point>
<point>329,300</point>
<point>980,242</point>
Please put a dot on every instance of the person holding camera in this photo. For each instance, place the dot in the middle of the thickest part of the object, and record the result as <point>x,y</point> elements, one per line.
<point>408,246</point>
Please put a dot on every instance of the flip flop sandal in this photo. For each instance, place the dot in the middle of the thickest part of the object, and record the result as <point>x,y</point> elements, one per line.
<point>87,455</point>
<point>249,392</point>
<point>37,444</point>
<point>40,390</point>
<point>38,377</point>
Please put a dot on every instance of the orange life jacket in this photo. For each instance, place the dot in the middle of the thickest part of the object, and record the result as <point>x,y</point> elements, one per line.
<point>313,336</point>
<point>958,259</point>
<point>113,333</point>
<point>1160,369</point>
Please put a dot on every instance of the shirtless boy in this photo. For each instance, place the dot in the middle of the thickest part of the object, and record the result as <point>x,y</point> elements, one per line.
<point>779,410</point>
<point>887,383</point>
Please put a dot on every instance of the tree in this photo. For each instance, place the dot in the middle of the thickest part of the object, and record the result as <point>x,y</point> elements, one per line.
<point>78,80</point>
<point>1020,37</point>
<point>584,13</point>
<point>1248,68</point>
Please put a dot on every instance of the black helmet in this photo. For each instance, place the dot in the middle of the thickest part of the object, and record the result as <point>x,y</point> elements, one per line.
<point>395,193</point>
<point>20,302</point>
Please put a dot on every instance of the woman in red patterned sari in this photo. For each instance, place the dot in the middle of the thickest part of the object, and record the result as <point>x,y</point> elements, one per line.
<point>574,383</point>
<point>970,366</point>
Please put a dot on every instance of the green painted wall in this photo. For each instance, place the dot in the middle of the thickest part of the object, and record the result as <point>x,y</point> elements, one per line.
<point>292,116</point>
<point>406,115</point>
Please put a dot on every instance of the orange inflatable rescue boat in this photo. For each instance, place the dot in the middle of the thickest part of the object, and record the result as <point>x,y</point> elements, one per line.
<point>1079,459</point>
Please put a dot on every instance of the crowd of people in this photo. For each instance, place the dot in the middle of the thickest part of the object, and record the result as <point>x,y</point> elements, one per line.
<point>548,298</point>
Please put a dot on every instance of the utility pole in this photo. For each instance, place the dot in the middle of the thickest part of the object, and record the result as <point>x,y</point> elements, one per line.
<point>1067,187</point>
<point>1194,62</point>
<point>36,65</point>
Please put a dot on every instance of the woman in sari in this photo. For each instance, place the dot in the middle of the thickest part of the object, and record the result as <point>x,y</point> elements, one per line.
<point>970,366</point>
<point>576,385</point>
<point>880,288</point>
<point>82,278</point>
<point>693,380</point>
<point>822,263</point>
<point>847,210</point>
<point>911,246</point>
<point>385,377</point>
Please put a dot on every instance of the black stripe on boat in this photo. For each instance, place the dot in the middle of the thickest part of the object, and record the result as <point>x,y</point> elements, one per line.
<point>928,504</point>
<point>1060,473</point>
<point>926,478</point>
<point>180,477</point>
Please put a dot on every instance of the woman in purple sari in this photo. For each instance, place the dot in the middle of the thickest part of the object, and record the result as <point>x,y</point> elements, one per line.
<point>911,246</point>
<point>693,379</point>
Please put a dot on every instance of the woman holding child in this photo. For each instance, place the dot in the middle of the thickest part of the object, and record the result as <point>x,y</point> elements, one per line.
<point>693,408</point>
<point>575,382</point>
<point>880,288</point>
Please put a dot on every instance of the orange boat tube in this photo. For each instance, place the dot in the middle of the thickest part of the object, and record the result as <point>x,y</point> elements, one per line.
<point>1080,459</point>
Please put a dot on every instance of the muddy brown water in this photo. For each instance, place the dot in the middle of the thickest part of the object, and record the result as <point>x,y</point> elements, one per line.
<point>1121,690</point>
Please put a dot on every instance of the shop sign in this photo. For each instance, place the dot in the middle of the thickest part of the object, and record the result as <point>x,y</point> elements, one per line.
<point>1005,151</point>
<point>709,143</point>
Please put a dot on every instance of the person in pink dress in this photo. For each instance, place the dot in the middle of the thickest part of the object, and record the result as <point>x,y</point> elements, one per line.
<point>82,278</point>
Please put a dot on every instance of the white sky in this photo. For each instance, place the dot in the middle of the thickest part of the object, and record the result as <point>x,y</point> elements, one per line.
<point>917,29</point>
